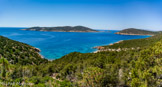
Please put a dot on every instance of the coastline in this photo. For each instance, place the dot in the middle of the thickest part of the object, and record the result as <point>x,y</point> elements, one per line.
<point>101,48</point>
<point>134,34</point>
<point>93,51</point>
<point>38,51</point>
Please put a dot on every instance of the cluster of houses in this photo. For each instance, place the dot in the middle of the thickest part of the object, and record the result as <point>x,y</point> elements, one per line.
<point>101,49</point>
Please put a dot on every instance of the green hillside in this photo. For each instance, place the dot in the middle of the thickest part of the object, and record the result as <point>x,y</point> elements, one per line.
<point>16,52</point>
<point>135,68</point>
<point>133,31</point>
<point>136,42</point>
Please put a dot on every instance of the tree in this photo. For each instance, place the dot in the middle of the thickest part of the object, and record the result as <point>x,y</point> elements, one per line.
<point>4,65</point>
<point>93,77</point>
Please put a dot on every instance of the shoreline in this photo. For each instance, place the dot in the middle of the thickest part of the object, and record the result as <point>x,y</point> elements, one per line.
<point>38,51</point>
<point>101,48</point>
<point>134,34</point>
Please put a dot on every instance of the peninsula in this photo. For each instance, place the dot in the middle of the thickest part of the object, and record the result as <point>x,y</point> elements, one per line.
<point>133,31</point>
<point>62,29</point>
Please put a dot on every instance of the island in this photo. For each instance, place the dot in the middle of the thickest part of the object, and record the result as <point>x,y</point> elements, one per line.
<point>62,29</point>
<point>133,31</point>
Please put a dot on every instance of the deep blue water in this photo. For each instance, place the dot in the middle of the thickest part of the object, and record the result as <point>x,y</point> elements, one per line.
<point>54,45</point>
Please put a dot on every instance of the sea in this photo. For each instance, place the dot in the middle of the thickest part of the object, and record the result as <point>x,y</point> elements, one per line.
<point>54,45</point>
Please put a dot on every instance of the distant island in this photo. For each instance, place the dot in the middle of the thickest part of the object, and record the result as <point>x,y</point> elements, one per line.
<point>133,31</point>
<point>62,29</point>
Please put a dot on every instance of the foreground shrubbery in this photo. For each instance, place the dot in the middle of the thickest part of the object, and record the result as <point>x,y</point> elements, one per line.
<point>140,67</point>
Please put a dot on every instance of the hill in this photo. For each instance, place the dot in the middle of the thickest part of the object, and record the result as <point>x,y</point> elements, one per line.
<point>133,31</point>
<point>134,67</point>
<point>142,43</point>
<point>62,29</point>
<point>19,53</point>
<point>138,67</point>
<point>113,68</point>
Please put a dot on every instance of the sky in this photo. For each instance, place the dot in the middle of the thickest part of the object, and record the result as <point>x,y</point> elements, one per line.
<point>96,14</point>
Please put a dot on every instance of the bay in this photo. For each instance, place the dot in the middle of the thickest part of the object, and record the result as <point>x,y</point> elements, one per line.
<point>54,45</point>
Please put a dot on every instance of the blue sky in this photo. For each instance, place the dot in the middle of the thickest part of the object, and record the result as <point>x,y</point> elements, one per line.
<point>96,14</point>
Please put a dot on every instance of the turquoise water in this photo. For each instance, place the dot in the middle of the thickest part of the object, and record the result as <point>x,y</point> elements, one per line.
<point>54,45</point>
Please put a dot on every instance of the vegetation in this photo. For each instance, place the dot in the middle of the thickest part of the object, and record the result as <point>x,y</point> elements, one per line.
<point>142,43</point>
<point>136,68</point>
<point>133,31</point>
<point>16,52</point>
<point>63,29</point>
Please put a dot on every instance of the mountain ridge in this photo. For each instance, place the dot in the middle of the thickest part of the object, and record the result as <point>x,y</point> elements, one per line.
<point>62,29</point>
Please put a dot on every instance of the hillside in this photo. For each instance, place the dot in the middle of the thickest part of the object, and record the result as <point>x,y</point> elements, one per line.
<point>62,29</point>
<point>136,42</point>
<point>134,68</point>
<point>138,67</point>
<point>133,31</point>
<point>17,52</point>
<point>111,68</point>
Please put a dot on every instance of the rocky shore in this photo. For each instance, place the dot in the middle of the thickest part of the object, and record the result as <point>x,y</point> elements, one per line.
<point>101,48</point>
<point>117,50</point>
<point>38,51</point>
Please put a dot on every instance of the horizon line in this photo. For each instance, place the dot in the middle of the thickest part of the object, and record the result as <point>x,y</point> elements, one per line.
<point>80,25</point>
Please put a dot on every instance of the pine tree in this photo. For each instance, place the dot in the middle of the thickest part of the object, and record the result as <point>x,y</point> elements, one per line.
<point>4,65</point>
